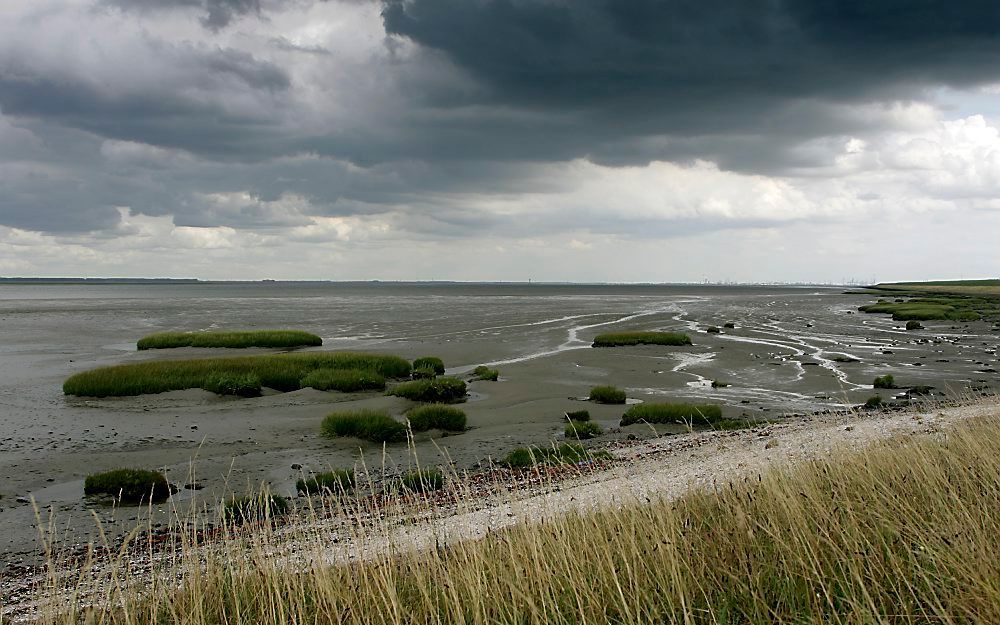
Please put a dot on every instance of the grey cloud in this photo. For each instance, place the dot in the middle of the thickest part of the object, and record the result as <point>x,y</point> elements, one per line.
<point>217,14</point>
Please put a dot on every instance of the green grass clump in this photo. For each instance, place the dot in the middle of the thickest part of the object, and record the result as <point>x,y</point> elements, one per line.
<point>873,402</point>
<point>729,325</point>
<point>340,480</point>
<point>258,508</point>
<point>482,372</point>
<point>241,339</point>
<point>436,417</point>
<point>578,415</point>
<point>607,395</point>
<point>884,381</point>
<point>439,390</point>
<point>582,430</point>
<point>713,330</point>
<point>432,362</point>
<point>423,373</point>
<point>719,384</point>
<point>615,339</point>
<point>370,425</point>
<point>566,453</point>
<point>282,372</point>
<point>951,308</point>
<point>914,325</point>
<point>129,485</point>
<point>705,414</point>
<point>842,358</point>
<point>238,384</point>
<point>423,481</point>
<point>343,380</point>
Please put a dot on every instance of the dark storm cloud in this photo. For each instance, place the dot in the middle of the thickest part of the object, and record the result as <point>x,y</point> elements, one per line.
<point>737,82</point>
<point>678,54</point>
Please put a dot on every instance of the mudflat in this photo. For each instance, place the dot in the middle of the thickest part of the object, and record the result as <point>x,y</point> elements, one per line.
<point>791,351</point>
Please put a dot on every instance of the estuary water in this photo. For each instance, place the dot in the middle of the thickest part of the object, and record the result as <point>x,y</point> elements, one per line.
<point>785,354</point>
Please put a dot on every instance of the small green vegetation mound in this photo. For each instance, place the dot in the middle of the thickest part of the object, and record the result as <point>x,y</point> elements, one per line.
<point>242,339</point>
<point>370,425</point>
<point>578,415</point>
<point>482,372</point>
<point>436,417</point>
<point>729,325</point>
<point>873,403</point>
<point>422,481</point>
<point>432,362</point>
<point>607,395</point>
<point>566,453</point>
<point>615,339</point>
<point>713,330</point>
<point>705,414</point>
<point>424,373</point>
<point>842,358</point>
<point>914,325</point>
<point>343,380</point>
<point>282,372</point>
<point>128,485</point>
<point>582,430</point>
<point>255,509</point>
<point>719,384</point>
<point>884,381</point>
<point>238,384</point>
<point>338,481</point>
<point>952,308</point>
<point>439,390</point>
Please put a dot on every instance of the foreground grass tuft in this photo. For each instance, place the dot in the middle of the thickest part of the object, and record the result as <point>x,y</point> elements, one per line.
<point>282,372</point>
<point>705,414</point>
<point>422,481</point>
<point>241,339</point>
<point>884,381</point>
<point>566,453</point>
<point>370,425</point>
<point>582,430</point>
<point>340,480</point>
<point>436,417</point>
<point>259,508</point>
<point>607,395</point>
<point>615,339</point>
<point>438,390</point>
<point>131,486</point>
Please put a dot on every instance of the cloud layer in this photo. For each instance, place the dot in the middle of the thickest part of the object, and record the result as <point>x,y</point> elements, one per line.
<point>359,139</point>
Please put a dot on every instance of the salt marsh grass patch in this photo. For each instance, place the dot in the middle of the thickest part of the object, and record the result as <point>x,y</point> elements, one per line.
<point>442,390</point>
<point>376,426</point>
<point>607,395</point>
<point>436,417</point>
<point>282,372</point>
<point>230,339</point>
<point>616,339</point>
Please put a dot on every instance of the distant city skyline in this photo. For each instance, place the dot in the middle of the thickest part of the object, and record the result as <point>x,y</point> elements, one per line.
<point>486,140</point>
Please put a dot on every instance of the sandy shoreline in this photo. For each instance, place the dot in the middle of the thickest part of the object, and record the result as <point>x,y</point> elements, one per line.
<point>660,468</point>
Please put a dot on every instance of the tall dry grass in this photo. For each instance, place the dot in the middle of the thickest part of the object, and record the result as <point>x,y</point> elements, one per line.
<point>907,531</point>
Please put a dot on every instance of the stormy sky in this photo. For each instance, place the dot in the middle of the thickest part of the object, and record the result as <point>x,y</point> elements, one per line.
<point>578,140</point>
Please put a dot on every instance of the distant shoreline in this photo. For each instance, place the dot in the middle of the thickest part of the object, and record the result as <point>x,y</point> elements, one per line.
<point>529,283</point>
